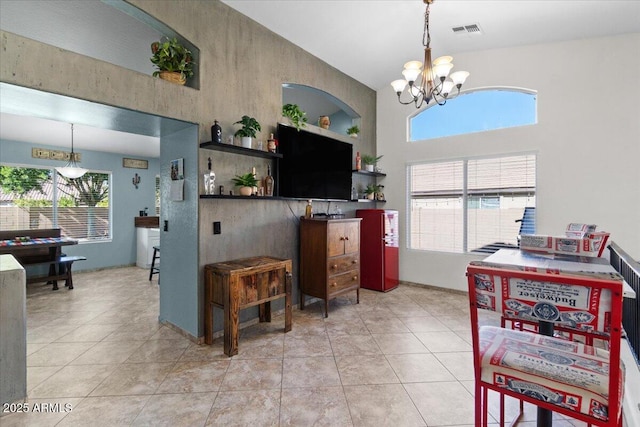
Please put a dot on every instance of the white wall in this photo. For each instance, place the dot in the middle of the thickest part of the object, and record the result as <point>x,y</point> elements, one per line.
<point>587,141</point>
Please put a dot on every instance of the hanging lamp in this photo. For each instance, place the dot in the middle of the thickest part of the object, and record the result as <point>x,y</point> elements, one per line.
<point>71,170</point>
<point>434,84</point>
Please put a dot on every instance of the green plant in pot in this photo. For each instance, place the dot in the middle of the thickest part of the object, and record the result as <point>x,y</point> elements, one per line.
<point>250,128</point>
<point>353,131</point>
<point>173,61</point>
<point>296,116</point>
<point>372,190</point>
<point>246,183</point>
<point>370,161</point>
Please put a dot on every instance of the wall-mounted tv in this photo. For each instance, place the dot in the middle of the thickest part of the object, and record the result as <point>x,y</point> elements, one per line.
<point>313,166</point>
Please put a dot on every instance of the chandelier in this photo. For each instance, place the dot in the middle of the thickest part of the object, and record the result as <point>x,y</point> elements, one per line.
<point>71,170</point>
<point>434,84</point>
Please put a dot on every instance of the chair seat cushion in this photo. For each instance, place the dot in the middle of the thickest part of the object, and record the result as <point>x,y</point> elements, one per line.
<point>564,373</point>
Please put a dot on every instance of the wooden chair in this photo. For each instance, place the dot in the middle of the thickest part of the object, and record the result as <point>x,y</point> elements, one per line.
<point>559,375</point>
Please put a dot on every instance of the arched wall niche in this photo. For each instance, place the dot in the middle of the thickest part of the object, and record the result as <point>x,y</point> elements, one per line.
<point>125,41</point>
<point>316,103</point>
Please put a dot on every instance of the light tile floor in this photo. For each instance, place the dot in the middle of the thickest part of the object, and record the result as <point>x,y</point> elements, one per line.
<point>397,359</point>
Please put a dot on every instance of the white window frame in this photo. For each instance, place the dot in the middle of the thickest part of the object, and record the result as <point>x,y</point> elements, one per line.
<point>465,195</point>
<point>54,200</point>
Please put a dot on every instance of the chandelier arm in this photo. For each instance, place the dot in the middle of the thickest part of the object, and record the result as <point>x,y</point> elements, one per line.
<point>412,100</point>
<point>440,102</point>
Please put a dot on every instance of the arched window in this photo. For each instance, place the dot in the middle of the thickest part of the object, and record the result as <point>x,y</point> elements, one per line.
<point>475,111</point>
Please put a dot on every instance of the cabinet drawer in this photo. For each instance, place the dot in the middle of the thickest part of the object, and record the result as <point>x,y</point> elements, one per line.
<point>342,264</point>
<point>346,280</point>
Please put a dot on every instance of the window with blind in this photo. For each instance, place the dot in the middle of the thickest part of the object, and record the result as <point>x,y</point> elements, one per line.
<point>464,205</point>
<point>34,198</point>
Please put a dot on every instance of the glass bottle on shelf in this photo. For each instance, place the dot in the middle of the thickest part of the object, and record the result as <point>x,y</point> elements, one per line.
<point>209,179</point>
<point>358,161</point>
<point>308,212</point>
<point>216,133</point>
<point>269,182</point>
<point>271,144</point>
<point>254,190</point>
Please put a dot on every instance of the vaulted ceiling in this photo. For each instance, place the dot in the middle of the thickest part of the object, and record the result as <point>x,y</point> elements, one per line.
<point>368,40</point>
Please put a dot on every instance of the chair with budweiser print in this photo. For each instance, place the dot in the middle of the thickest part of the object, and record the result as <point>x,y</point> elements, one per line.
<point>580,381</point>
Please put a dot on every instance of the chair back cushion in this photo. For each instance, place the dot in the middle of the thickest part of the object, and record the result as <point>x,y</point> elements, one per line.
<point>561,300</point>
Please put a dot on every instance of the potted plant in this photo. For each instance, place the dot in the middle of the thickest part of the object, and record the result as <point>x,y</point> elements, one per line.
<point>250,128</point>
<point>370,161</point>
<point>371,191</point>
<point>246,183</point>
<point>173,61</point>
<point>353,131</point>
<point>296,116</point>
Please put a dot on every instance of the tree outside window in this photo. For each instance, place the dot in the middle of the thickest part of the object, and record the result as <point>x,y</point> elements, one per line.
<point>32,198</point>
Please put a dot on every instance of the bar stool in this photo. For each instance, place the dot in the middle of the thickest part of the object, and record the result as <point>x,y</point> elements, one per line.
<point>154,269</point>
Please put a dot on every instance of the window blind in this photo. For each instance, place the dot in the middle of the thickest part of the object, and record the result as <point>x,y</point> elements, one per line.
<point>463,205</point>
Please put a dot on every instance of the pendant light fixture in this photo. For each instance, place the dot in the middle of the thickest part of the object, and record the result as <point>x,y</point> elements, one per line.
<point>71,170</point>
<point>434,84</point>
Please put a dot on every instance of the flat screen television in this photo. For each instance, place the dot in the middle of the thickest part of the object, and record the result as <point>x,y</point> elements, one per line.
<point>313,166</point>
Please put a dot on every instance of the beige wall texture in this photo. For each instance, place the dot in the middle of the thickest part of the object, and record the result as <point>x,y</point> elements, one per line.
<point>242,66</point>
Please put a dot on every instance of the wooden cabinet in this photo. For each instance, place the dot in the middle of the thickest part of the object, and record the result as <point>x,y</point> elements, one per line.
<point>329,259</point>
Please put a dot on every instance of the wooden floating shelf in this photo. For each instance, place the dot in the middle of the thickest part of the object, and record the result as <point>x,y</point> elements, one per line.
<point>364,172</point>
<point>210,145</point>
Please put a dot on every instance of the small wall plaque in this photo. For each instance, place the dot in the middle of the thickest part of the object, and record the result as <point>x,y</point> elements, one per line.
<point>43,153</point>
<point>135,163</point>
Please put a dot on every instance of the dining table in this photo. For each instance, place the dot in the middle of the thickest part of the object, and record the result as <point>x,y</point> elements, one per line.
<point>39,250</point>
<point>16,247</point>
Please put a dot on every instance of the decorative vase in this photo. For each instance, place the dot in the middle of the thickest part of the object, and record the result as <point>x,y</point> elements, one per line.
<point>369,168</point>
<point>246,191</point>
<point>353,135</point>
<point>173,77</point>
<point>371,196</point>
<point>216,133</point>
<point>324,122</point>
<point>246,141</point>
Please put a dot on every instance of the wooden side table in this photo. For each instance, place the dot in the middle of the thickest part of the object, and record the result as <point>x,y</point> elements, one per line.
<point>238,284</point>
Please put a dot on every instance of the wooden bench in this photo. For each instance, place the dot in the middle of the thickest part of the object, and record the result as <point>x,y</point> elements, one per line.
<point>60,265</point>
<point>64,264</point>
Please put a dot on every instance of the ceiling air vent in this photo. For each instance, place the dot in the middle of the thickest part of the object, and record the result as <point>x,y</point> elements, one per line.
<point>471,29</point>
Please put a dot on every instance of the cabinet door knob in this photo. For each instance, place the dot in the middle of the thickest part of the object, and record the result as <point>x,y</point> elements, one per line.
<point>346,237</point>
<point>341,237</point>
<point>334,284</point>
<point>355,261</point>
<point>334,266</point>
<point>354,278</point>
